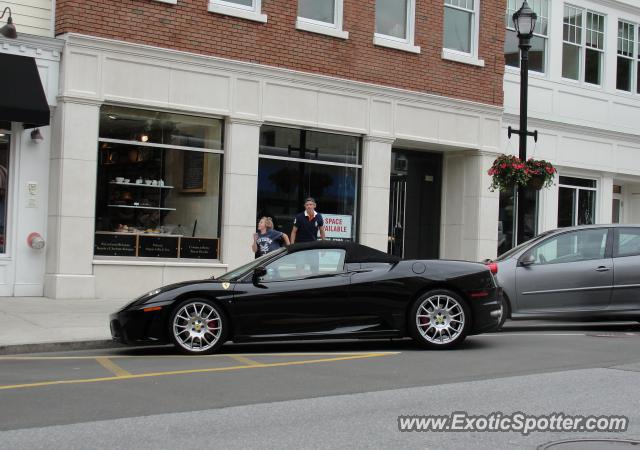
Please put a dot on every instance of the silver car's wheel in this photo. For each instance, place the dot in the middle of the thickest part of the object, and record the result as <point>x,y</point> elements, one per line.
<point>441,319</point>
<point>198,326</point>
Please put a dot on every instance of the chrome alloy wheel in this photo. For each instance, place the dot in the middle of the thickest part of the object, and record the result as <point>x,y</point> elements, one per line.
<point>197,326</point>
<point>440,319</point>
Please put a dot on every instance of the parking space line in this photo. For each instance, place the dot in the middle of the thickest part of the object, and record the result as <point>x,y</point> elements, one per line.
<point>193,371</point>
<point>112,367</point>
<point>219,355</point>
<point>244,360</point>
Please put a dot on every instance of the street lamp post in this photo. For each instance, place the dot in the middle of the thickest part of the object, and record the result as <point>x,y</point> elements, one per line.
<point>524,21</point>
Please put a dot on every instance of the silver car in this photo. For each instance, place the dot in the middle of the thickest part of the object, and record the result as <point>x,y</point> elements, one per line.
<point>585,272</point>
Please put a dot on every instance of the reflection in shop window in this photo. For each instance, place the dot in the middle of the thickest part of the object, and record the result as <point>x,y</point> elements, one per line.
<point>158,187</point>
<point>5,144</point>
<point>514,230</point>
<point>295,164</point>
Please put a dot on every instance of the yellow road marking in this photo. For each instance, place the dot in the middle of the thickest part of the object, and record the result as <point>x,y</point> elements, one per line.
<point>245,360</point>
<point>219,355</point>
<point>191,371</point>
<point>112,367</point>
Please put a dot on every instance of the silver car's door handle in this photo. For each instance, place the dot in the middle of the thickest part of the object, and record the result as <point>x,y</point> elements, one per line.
<point>602,269</point>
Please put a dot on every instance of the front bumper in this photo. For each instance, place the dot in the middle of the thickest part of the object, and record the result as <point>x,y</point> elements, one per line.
<point>139,327</point>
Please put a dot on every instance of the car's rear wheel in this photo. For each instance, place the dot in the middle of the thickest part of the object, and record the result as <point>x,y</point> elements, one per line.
<point>198,326</point>
<point>439,319</point>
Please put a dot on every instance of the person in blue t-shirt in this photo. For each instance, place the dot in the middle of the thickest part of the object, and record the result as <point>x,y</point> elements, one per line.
<point>267,239</point>
<point>307,224</point>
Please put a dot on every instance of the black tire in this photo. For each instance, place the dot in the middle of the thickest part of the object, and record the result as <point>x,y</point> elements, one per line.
<point>505,312</point>
<point>431,328</point>
<point>198,326</point>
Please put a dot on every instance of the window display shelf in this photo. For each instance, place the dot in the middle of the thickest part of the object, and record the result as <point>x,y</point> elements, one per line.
<point>141,185</point>
<point>142,207</point>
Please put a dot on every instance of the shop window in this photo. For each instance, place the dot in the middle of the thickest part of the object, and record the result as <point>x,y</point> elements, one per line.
<point>538,51</point>
<point>583,45</point>
<point>295,164</point>
<point>158,185</point>
<point>395,22</point>
<point>576,201</point>
<point>5,146</point>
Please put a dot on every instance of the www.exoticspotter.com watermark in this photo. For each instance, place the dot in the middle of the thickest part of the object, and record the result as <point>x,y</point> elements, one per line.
<point>516,422</point>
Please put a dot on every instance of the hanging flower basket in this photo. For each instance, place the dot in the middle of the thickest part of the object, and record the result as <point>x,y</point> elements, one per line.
<point>508,171</point>
<point>541,172</point>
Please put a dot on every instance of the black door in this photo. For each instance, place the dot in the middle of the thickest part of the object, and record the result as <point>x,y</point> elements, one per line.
<point>415,201</point>
<point>302,293</point>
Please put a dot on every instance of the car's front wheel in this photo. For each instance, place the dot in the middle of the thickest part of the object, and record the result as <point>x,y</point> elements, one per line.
<point>198,326</point>
<point>439,319</point>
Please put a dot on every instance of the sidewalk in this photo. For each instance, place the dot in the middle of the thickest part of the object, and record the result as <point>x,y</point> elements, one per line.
<point>32,324</point>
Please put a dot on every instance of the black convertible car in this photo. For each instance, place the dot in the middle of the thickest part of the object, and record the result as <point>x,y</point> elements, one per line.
<point>318,290</point>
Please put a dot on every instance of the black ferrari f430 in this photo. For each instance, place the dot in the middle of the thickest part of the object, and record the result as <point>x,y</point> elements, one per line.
<point>318,290</point>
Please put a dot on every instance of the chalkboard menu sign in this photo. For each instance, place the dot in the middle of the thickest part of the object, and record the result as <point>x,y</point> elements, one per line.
<point>194,172</point>
<point>158,246</point>
<point>200,248</point>
<point>115,244</point>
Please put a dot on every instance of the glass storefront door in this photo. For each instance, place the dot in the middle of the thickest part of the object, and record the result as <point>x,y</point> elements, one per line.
<point>5,145</point>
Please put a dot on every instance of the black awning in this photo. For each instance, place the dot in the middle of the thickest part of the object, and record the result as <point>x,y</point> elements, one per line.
<point>22,97</point>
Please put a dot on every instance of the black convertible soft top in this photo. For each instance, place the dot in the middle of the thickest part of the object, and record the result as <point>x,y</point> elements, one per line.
<point>355,253</point>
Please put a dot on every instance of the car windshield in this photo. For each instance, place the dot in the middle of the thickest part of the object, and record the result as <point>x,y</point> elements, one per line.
<point>508,254</point>
<point>243,270</point>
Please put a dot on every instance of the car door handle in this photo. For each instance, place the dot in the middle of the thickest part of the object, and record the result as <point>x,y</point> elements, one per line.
<point>603,269</point>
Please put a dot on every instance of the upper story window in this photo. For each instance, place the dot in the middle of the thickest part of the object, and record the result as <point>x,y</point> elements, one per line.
<point>583,45</point>
<point>321,16</point>
<point>246,9</point>
<point>625,63</point>
<point>395,23</point>
<point>538,52</point>
<point>459,25</point>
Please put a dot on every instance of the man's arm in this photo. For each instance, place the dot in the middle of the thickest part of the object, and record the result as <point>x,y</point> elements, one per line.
<point>285,238</point>
<point>294,230</point>
<point>321,232</point>
<point>254,246</point>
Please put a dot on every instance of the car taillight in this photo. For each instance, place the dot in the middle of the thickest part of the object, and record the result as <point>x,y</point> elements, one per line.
<point>493,267</point>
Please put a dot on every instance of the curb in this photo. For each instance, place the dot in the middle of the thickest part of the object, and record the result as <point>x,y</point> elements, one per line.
<point>46,347</point>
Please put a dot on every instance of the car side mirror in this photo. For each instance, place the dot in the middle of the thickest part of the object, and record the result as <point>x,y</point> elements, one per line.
<point>527,260</point>
<point>258,273</point>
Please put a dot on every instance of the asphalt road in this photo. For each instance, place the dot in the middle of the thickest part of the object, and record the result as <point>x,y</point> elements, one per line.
<point>323,394</point>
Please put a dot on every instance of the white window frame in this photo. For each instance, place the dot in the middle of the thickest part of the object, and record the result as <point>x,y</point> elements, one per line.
<point>472,56</point>
<point>583,48</point>
<point>408,44</point>
<point>633,58</point>
<point>576,212</point>
<point>511,27</point>
<point>330,29</point>
<point>236,10</point>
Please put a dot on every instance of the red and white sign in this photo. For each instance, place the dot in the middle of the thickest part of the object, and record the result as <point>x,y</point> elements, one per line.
<point>337,226</point>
